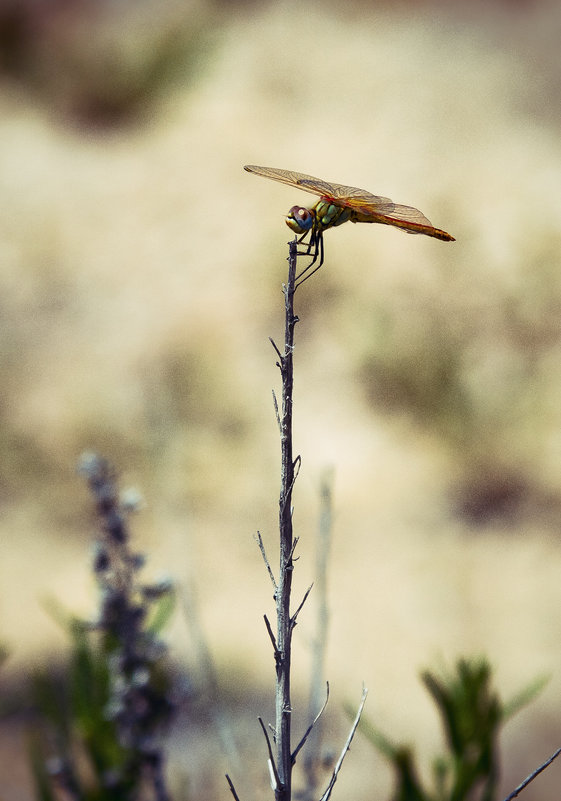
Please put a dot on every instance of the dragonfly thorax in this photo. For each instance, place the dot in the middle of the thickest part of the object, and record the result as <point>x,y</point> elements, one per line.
<point>324,214</point>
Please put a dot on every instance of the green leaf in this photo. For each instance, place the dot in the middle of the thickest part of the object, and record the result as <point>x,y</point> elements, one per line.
<point>472,714</point>
<point>161,613</point>
<point>525,696</point>
<point>408,786</point>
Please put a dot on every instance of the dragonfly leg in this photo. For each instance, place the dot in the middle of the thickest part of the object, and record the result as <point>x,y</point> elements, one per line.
<point>307,274</point>
<point>308,245</point>
<point>315,243</point>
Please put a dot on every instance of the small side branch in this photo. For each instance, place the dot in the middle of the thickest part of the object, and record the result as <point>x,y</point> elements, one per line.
<point>272,765</point>
<point>277,351</point>
<point>303,601</point>
<point>277,413</point>
<point>273,638</point>
<point>232,788</point>
<point>346,747</point>
<point>296,465</point>
<point>259,540</point>
<point>291,557</point>
<point>529,779</point>
<point>311,726</point>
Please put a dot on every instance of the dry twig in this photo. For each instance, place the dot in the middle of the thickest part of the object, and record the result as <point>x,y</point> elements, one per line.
<point>529,779</point>
<point>346,747</point>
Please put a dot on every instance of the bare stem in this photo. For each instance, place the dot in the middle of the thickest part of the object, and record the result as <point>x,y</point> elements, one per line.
<point>346,747</point>
<point>232,788</point>
<point>312,760</point>
<point>529,779</point>
<point>284,622</point>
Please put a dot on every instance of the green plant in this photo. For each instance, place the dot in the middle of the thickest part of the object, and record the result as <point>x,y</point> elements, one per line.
<point>472,714</point>
<point>102,719</point>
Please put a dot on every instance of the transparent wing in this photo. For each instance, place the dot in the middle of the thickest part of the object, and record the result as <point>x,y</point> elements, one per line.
<point>348,196</point>
<point>407,219</point>
<point>407,213</point>
<point>297,179</point>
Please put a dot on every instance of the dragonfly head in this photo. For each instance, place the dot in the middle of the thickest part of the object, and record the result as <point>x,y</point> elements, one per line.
<point>300,219</point>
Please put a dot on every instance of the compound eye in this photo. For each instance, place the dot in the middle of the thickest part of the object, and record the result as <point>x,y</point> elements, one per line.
<point>299,219</point>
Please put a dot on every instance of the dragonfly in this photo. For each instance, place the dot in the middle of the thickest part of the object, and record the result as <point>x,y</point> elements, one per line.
<point>338,204</point>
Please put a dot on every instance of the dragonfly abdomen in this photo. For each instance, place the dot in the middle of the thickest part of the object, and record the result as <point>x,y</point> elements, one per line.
<point>414,228</point>
<point>409,226</point>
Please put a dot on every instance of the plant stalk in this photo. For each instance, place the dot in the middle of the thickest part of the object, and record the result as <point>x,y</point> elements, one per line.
<point>284,621</point>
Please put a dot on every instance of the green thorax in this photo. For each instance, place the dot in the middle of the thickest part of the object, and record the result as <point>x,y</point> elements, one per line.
<point>329,215</point>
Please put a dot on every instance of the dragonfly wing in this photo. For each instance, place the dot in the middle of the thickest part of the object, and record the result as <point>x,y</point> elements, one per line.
<point>297,179</point>
<point>407,213</point>
<point>367,207</point>
<point>370,207</point>
<point>348,196</point>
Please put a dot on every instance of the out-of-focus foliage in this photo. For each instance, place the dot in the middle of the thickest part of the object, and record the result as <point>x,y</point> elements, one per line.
<point>472,714</point>
<point>99,732</point>
<point>97,63</point>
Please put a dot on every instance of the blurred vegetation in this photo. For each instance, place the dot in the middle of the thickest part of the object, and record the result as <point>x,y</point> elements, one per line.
<point>99,730</point>
<point>99,64</point>
<point>472,715</point>
<point>99,725</point>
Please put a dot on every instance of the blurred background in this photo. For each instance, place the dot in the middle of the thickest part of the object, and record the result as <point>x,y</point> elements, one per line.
<point>141,273</point>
